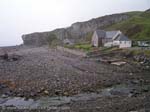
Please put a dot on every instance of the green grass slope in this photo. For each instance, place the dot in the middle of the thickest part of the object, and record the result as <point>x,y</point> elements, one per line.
<point>137,27</point>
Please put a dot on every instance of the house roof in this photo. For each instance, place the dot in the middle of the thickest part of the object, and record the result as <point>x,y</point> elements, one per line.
<point>122,37</point>
<point>101,33</point>
<point>111,34</point>
<point>106,34</point>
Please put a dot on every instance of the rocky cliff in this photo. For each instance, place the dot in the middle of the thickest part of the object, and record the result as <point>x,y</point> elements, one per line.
<point>76,31</point>
<point>146,13</point>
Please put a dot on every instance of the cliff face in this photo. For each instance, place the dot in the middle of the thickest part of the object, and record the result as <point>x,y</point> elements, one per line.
<point>146,13</point>
<point>35,39</point>
<point>76,31</point>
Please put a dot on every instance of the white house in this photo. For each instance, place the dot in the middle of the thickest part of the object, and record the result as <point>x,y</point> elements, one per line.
<point>122,41</point>
<point>110,38</point>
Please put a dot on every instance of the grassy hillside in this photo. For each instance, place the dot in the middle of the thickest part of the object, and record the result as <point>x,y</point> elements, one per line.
<point>136,28</point>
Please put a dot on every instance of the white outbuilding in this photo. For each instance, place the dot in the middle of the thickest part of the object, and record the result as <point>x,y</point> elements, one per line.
<point>122,41</point>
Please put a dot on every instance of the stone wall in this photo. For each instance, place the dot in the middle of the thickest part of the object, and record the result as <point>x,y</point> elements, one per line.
<point>75,52</point>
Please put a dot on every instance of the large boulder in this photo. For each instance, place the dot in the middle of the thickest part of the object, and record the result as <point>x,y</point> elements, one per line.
<point>35,39</point>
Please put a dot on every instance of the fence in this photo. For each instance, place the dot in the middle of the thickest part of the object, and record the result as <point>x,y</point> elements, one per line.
<point>72,51</point>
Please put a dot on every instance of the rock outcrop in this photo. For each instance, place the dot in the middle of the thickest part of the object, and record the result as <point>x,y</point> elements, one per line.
<point>148,10</point>
<point>35,39</point>
<point>146,13</point>
<point>76,31</point>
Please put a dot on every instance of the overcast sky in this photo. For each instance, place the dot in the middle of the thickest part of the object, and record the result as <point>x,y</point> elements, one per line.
<point>19,17</point>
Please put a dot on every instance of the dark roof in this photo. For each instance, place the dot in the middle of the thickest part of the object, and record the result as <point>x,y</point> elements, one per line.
<point>106,34</point>
<point>111,34</point>
<point>122,38</point>
<point>101,33</point>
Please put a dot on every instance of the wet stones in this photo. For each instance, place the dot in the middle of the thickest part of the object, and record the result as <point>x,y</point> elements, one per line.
<point>142,59</point>
<point>5,56</point>
<point>9,92</point>
<point>58,92</point>
<point>145,88</point>
<point>10,58</point>
<point>2,86</point>
<point>66,94</point>
<point>135,82</point>
<point>15,58</point>
<point>33,94</point>
<point>46,92</point>
<point>4,96</point>
<point>5,91</point>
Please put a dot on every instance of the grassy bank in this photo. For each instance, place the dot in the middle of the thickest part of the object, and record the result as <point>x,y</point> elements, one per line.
<point>86,47</point>
<point>136,28</point>
<point>140,51</point>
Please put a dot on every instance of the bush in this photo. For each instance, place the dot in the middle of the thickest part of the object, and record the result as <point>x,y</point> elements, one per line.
<point>85,47</point>
<point>53,40</point>
<point>82,46</point>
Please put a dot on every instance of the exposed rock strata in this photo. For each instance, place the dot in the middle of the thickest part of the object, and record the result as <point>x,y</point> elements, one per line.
<point>76,31</point>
